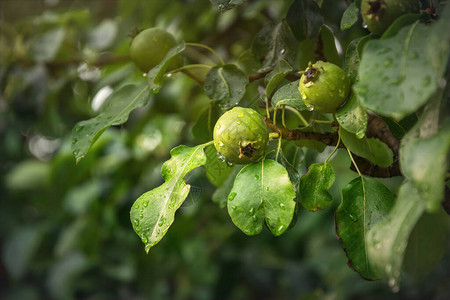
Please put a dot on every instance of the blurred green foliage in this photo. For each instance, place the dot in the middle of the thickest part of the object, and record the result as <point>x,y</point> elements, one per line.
<point>64,227</point>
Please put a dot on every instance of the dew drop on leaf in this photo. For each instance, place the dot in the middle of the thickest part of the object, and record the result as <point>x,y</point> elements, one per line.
<point>360,133</point>
<point>145,204</point>
<point>136,222</point>
<point>234,207</point>
<point>144,239</point>
<point>220,143</point>
<point>256,177</point>
<point>239,122</point>
<point>309,107</point>
<point>231,196</point>
<point>255,218</point>
<point>218,126</point>
<point>144,74</point>
<point>353,218</point>
<point>74,141</point>
<point>251,212</point>
<point>280,228</point>
<point>267,188</point>
<point>282,205</point>
<point>79,128</point>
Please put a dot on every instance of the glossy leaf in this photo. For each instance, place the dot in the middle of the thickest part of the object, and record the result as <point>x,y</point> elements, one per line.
<point>410,66</point>
<point>314,187</point>
<point>365,203</point>
<point>224,5</point>
<point>116,111</point>
<point>154,212</point>
<point>156,75</point>
<point>399,23</point>
<point>217,170</point>
<point>387,240</point>
<point>353,117</point>
<point>305,19</point>
<point>262,191</point>
<point>329,46</point>
<point>273,43</point>
<point>427,244</point>
<point>226,84</point>
<point>220,195</point>
<point>370,148</point>
<point>289,95</point>
<point>353,56</point>
<point>350,16</point>
<point>276,75</point>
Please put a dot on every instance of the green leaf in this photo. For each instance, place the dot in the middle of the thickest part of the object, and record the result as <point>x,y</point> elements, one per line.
<point>156,75</point>
<point>224,5</point>
<point>423,160</point>
<point>154,212</point>
<point>262,191</point>
<point>220,195</point>
<point>316,145</point>
<point>273,43</point>
<point>371,149</point>
<point>203,128</point>
<point>276,75</point>
<point>409,65</point>
<point>226,85</point>
<point>353,117</point>
<point>350,16</point>
<point>398,24</point>
<point>387,240</point>
<point>217,171</point>
<point>314,187</point>
<point>116,112</point>
<point>305,19</point>
<point>289,95</point>
<point>365,203</point>
<point>426,244</point>
<point>353,56</point>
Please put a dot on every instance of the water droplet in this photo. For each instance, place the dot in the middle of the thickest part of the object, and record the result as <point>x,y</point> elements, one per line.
<point>282,205</point>
<point>79,128</point>
<point>145,204</point>
<point>239,122</point>
<point>136,222</point>
<point>231,196</point>
<point>251,212</point>
<point>364,25</point>
<point>141,216</point>
<point>234,207</point>
<point>255,218</point>
<point>309,107</point>
<point>75,152</point>
<point>256,177</point>
<point>220,143</point>
<point>74,141</point>
<point>155,90</point>
<point>241,115</point>
<point>168,75</point>
<point>221,157</point>
<point>144,74</point>
<point>282,51</point>
<point>360,133</point>
<point>387,62</point>
<point>280,228</point>
<point>267,188</point>
<point>221,7</point>
<point>137,206</point>
<point>144,239</point>
<point>230,164</point>
<point>303,95</point>
<point>162,221</point>
<point>353,217</point>
<point>218,126</point>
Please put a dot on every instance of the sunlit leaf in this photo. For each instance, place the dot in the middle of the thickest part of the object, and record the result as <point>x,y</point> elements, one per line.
<point>365,203</point>
<point>217,170</point>
<point>154,212</point>
<point>262,191</point>
<point>116,112</point>
<point>409,67</point>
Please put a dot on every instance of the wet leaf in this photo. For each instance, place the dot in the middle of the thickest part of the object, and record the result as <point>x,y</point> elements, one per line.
<point>276,75</point>
<point>289,95</point>
<point>224,5</point>
<point>353,117</point>
<point>226,84</point>
<point>217,170</point>
<point>353,56</point>
<point>203,128</point>
<point>314,187</point>
<point>116,111</point>
<point>305,19</point>
<point>262,191</point>
<point>365,203</point>
<point>350,16</point>
<point>409,65</point>
<point>152,213</point>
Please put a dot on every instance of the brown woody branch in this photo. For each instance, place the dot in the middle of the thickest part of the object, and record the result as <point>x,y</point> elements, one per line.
<point>376,128</point>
